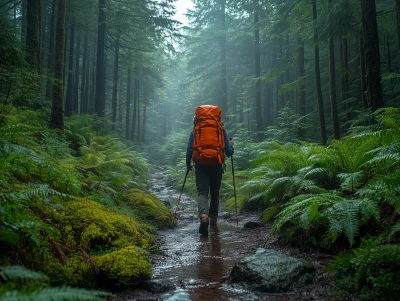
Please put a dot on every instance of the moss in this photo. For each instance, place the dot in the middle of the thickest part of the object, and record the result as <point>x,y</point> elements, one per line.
<point>124,267</point>
<point>90,224</point>
<point>149,209</point>
<point>75,272</point>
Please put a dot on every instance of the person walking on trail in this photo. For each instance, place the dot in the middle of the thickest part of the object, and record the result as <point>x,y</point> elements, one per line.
<point>208,147</point>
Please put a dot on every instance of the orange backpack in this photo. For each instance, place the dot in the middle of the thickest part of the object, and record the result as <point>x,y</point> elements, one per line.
<point>208,136</point>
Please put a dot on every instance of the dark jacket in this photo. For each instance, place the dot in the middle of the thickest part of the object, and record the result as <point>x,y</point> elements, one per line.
<point>189,151</point>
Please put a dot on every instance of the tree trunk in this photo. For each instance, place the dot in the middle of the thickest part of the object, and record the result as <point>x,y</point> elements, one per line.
<point>320,100</point>
<point>362,74</point>
<point>115,82</point>
<point>398,20</point>
<point>75,103</point>
<point>257,63</point>
<point>92,98</point>
<point>50,57</point>
<point>84,81</point>
<point>100,102</point>
<point>135,106</point>
<point>301,105</point>
<point>138,139</point>
<point>332,88</point>
<point>120,111</point>
<point>57,108</point>
<point>33,34</point>
<point>23,21</point>
<point>372,57</point>
<point>128,102</point>
<point>144,123</point>
<point>224,89</point>
<point>70,85</point>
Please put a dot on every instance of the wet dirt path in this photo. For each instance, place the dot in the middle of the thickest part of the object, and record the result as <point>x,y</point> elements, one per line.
<point>197,267</point>
<point>200,265</point>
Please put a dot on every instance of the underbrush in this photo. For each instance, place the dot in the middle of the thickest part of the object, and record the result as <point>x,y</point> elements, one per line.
<point>74,207</point>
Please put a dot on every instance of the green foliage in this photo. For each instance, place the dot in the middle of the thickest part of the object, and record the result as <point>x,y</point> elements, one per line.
<point>369,272</point>
<point>22,284</point>
<point>53,213</point>
<point>124,267</point>
<point>149,208</point>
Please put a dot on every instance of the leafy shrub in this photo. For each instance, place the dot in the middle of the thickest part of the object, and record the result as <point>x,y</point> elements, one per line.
<point>369,272</point>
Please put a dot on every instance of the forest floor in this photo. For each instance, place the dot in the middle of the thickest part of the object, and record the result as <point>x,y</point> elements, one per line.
<point>196,267</point>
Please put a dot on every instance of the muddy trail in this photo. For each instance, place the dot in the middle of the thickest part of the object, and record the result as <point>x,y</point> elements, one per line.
<point>194,267</point>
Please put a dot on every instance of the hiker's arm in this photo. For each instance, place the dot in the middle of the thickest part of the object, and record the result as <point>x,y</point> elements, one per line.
<point>228,146</point>
<point>189,151</point>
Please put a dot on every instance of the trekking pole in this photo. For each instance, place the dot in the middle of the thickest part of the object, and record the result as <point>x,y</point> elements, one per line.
<point>179,199</point>
<point>234,191</point>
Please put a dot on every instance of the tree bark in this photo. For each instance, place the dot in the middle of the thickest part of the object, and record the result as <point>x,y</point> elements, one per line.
<point>57,107</point>
<point>50,57</point>
<point>138,139</point>
<point>398,20</point>
<point>224,89</point>
<point>332,88</point>
<point>301,105</point>
<point>75,103</point>
<point>33,33</point>
<point>320,101</point>
<point>70,85</point>
<point>128,102</point>
<point>362,74</point>
<point>257,59</point>
<point>135,105</point>
<point>115,82</point>
<point>84,81</point>
<point>372,57</point>
<point>144,124</point>
<point>100,102</point>
<point>23,21</point>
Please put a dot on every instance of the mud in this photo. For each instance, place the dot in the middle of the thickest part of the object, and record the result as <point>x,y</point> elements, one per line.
<point>198,267</point>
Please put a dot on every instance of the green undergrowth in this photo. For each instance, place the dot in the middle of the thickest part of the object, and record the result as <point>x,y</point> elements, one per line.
<point>74,208</point>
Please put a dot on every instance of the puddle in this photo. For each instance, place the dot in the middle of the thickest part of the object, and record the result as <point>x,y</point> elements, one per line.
<point>199,266</point>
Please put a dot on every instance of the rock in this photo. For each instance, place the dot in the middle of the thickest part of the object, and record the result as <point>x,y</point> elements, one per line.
<point>225,215</point>
<point>252,225</point>
<point>166,203</point>
<point>178,295</point>
<point>272,272</point>
<point>158,286</point>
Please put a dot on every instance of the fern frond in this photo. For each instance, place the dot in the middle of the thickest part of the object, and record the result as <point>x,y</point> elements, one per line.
<point>35,190</point>
<point>17,272</point>
<point>55,294</point>
<point>351,181</point>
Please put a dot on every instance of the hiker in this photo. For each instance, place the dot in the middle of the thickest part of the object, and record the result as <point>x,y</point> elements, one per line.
<point>208,144</point>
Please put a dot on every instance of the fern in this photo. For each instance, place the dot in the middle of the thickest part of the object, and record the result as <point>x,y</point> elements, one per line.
<point>54,294</point>
<point>351,181</point>
<point>35,190</point>
<point>17,272</point>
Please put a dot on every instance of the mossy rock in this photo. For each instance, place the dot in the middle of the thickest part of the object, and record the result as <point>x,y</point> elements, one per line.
<point>124,267</point>
<point>149,209</point>
<point>75,271</point>
<point>89,224</point>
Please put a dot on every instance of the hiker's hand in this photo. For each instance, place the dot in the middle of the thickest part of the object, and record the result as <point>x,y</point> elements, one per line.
<point>189,168</point>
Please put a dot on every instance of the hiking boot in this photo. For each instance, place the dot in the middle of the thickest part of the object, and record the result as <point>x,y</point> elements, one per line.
<point>213,220</point>
<point>203,229</point>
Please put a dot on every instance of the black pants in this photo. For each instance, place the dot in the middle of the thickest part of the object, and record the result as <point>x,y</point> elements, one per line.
<point>208,180</point>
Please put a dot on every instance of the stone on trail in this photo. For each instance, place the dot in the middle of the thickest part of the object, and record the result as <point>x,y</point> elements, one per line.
<point>272,272</point>
<point>158,286</point>
<point>252,225</point>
